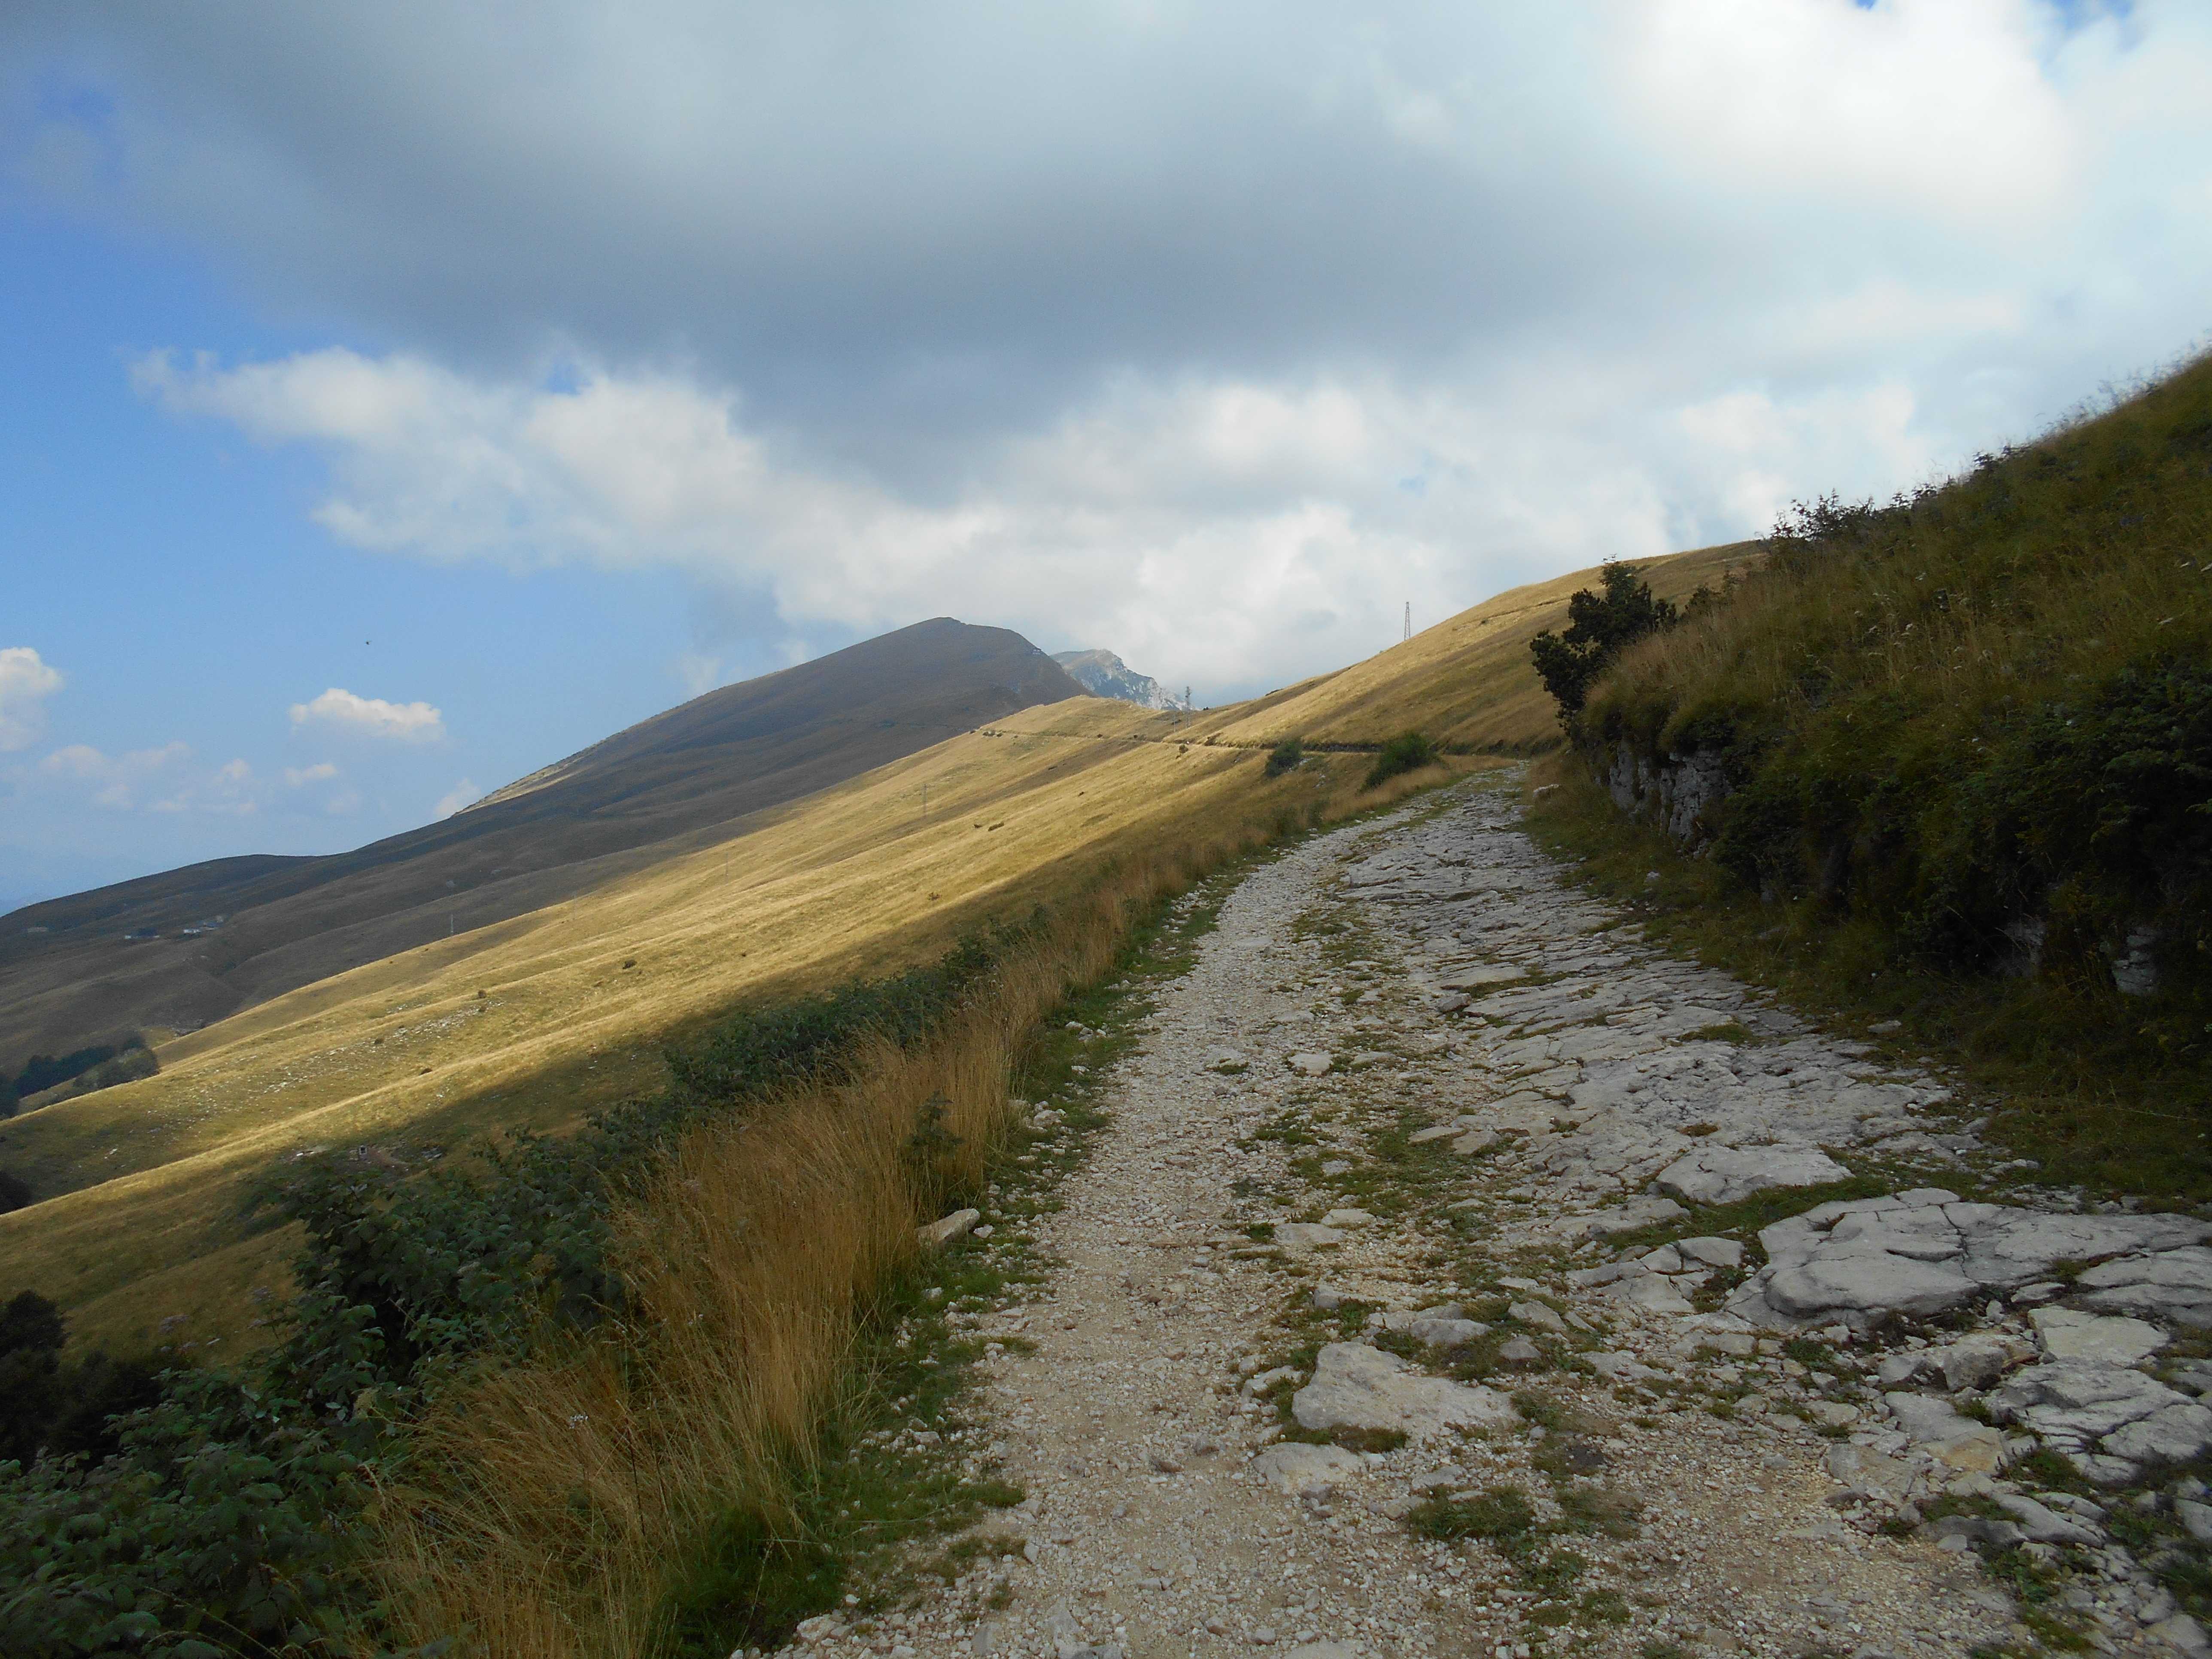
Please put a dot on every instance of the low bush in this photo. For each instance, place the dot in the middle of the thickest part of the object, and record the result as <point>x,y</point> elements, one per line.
<point>42,1072</point>
<point>100,1067</point>
<point>62,1409</point>
<point>1285,756</point>
<point>1407,752</point>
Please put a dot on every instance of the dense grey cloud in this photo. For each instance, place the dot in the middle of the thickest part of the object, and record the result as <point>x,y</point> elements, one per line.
<point>1113,321</point>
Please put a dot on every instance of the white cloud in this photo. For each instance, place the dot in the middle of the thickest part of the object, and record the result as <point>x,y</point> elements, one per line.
<point>152,778</point>
<point>1214,530</point>
<point>26,683</point>
<point>1209,334</point>
<point>462,794</point>
<point>1941,106</point>
<point>297,777</point>
<point>160,779</point>
<point>408,722</point>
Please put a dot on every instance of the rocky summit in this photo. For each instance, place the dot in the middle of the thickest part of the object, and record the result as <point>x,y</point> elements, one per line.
<point>1456,1274</point>
<point>1103,674</point>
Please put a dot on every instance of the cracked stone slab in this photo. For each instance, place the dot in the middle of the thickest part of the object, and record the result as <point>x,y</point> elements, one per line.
<point>1723,1175</point>
<point>1924,1252</point>
<point>2080,1404</point>
<point>2070,1333</point>
<point>1356,1387</point>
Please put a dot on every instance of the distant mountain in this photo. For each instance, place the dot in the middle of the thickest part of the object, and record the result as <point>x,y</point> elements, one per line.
<point>1105,675</point>
<point>192,945</point>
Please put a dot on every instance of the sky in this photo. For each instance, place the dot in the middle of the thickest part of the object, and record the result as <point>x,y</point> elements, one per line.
<point>394,399</point>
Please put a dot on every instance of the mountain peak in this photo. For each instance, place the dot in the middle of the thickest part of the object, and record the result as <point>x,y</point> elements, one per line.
<point>1103,674</point>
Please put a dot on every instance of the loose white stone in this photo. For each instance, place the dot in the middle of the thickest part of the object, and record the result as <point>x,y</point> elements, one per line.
<point>1356,1387</point>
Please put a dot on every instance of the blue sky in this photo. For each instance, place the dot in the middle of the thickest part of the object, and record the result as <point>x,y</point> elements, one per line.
<point>393,400</point>
<point>169,572</point>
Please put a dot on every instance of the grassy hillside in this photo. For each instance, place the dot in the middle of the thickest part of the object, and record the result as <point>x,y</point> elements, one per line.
<point>1466,682</point>
<point>667,786</point>
<point>142,1183</point>
<point>1969,739</point>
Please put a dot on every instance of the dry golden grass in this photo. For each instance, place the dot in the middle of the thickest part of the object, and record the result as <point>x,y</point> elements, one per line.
<point>554,1495</point>
<point>1464,682</point>
<point>579,998</point>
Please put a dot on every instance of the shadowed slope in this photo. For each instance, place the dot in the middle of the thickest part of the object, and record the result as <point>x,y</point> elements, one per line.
<point>666,786</point>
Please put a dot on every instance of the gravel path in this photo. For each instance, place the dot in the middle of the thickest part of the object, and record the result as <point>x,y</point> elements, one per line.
<point>1413,1082</point>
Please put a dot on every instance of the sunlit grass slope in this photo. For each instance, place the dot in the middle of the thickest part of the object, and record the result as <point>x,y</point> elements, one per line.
<point>534,1021</point>
<point>1466,682</point>
<point>538,1019</point>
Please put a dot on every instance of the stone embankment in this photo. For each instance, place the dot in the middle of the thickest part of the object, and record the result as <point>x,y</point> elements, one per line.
<point>1416,1300</point>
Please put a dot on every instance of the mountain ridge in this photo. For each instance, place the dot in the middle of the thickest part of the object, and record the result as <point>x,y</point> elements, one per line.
<point>675,780</point>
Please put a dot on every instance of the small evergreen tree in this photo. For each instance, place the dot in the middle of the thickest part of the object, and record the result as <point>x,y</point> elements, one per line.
<point>1600,627</point>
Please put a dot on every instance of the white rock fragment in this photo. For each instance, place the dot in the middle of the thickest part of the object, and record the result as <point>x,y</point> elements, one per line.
<point>936,1235</point>
<point>1356,1387</point>
<point>1536,1313</point>
<point>1712,1252</point>
<point>1302,1471</point>
<point>1937,1428</point>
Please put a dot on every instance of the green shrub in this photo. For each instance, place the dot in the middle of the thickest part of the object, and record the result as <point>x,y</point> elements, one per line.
<point>44,1070</point>
<point>1600,626</point>
<point>1285,756</point>
<point>1408,752</point>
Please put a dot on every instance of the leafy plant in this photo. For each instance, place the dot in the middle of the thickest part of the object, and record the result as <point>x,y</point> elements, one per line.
<point>1285,756</point>
<point>1409,752</point>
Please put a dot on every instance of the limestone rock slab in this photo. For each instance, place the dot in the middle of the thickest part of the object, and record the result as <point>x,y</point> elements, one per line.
<point>2070,1333</point>
<point>1723,1174</point>
<point>1356,1387</point>
<point>2078,1405</point>
<point>2175,1284</point>
<point>1875,1282</point>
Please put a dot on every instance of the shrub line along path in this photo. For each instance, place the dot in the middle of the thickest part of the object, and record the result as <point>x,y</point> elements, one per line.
<point>1368,1132</point>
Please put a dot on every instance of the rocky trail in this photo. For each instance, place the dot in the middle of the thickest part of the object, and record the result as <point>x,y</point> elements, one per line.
<point>1453,1276</point>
